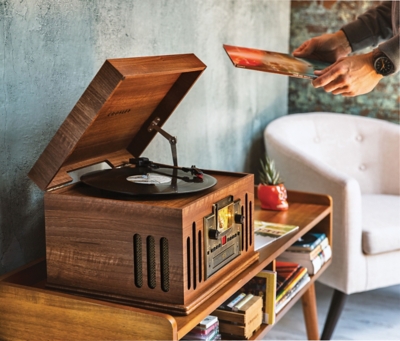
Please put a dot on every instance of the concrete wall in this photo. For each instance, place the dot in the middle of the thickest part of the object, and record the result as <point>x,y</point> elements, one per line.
<point>315,17</point>
<point>51,49</point>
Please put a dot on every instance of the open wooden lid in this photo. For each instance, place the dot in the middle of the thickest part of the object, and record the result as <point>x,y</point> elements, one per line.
<point>111,119</point>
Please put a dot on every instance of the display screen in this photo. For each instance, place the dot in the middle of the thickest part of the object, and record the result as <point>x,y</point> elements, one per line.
<point>225,217</point>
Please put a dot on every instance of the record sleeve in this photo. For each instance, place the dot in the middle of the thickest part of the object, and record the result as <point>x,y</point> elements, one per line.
<point>273,62</point>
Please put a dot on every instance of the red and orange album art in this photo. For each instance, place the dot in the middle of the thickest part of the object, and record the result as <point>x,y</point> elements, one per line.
<point>274,62</point>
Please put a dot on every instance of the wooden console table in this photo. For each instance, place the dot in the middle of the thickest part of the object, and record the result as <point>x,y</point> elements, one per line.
<point>30,311</point>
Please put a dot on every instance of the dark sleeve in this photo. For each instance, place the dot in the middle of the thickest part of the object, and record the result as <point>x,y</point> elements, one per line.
<point>371,27</point>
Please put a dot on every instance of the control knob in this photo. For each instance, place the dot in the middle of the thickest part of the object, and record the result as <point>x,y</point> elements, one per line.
<point>239,218</point>
<point>213,234</point>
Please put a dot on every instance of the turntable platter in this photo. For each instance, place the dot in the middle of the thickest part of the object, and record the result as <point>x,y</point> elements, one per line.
<point>136,182</point>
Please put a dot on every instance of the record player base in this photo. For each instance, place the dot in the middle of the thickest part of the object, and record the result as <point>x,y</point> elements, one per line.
<point>153,252</point>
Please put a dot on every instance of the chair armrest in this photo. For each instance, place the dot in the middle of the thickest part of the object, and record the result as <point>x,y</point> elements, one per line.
<point>303,172</point>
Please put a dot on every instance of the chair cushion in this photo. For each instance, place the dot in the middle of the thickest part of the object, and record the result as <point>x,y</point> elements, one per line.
<point>380,223</point>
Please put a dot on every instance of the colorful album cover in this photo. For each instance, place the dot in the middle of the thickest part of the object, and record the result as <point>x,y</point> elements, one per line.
<point>274,62</point>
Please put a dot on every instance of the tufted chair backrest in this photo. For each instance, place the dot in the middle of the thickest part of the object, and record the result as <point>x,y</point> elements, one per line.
<point>364,148</point>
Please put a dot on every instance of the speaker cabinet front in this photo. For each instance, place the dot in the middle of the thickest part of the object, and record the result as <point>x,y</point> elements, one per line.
<point>158,253</point>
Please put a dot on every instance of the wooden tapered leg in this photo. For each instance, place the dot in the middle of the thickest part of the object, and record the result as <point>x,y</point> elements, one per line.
<point>310,313</point>
<point>335,310</point>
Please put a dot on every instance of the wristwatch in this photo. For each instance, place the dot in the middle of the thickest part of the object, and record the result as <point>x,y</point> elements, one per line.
<point>382,64</point>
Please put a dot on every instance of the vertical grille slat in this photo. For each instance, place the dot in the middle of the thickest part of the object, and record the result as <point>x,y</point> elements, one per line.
<point>164,261</point>
<point>188,263</point>
<point>137,260</point>
<point>247,221</point>
<point>200,247</point>
<point>251,222</point>
<point>243,228</point>
<point>194,251</point>
<point>151,262</point>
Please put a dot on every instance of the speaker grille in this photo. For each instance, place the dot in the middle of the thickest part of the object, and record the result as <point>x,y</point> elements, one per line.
<point>151,261</point>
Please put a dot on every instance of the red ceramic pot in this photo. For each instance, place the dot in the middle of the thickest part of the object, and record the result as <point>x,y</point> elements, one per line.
<point>273,197</point>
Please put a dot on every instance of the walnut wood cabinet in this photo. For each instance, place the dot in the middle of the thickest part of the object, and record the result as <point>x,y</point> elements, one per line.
<point>29,310</point>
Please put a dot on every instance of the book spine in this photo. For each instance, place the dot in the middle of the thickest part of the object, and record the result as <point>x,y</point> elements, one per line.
<point>327,252</point>
<point>312,266</point>
<point>236,300</point>
<point>285,300</point>
<point>208,322</point>
<point>292,283</point>
<point>314,253</point>
<point>242,302</point>
<point>203,331</point>
<point>270,298</point>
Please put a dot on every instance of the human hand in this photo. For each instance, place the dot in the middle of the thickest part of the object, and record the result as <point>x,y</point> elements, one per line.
<point>328,47</point>
<point>349,77</point>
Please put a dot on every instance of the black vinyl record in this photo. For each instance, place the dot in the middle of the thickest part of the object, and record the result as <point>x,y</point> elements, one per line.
<point>141,181</point>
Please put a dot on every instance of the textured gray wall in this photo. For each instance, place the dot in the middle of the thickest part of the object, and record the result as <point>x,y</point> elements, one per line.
<point>50,50</point>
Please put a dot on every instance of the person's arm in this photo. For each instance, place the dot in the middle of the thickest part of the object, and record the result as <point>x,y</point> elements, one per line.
<point>370,28</point>
<point>355,75</point>
<point>373,27</point>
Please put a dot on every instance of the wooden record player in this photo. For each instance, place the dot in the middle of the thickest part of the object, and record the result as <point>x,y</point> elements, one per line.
<point>162,252</point>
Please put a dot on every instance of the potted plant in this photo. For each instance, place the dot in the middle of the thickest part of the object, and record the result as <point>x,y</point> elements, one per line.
<point>271,191</point>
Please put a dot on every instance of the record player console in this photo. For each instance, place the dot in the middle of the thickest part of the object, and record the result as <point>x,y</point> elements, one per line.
<point>125,229</point>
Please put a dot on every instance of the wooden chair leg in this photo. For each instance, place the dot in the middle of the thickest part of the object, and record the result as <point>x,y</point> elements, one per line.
<point>309,303</point>
<point>335,310</point>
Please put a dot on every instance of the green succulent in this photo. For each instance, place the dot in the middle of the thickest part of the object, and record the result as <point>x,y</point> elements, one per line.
<point>268,173</point>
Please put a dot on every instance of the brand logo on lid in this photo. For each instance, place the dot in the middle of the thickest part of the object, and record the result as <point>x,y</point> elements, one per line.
<point>119,112</point>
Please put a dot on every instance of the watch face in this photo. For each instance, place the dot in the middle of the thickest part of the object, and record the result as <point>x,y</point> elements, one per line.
<point>383,66</point>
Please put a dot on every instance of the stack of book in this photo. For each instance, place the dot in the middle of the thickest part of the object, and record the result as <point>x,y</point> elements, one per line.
<point>291,278</point>
<point>206,330</point>
<point>311,251</point>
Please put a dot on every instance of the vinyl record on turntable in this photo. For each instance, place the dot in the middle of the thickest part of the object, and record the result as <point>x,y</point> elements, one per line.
<point>136,182</point>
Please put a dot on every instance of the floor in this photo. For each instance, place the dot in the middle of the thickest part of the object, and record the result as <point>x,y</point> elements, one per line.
<point>373,315</point>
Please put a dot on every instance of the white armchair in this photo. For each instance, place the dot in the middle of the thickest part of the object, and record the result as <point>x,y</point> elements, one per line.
<point>356,160</point>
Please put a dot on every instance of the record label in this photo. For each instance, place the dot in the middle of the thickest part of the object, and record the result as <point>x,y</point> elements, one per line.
<point>149,179</point>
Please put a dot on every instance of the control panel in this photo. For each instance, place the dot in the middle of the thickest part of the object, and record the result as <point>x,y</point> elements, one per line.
<point>222,234</point>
